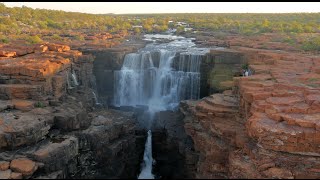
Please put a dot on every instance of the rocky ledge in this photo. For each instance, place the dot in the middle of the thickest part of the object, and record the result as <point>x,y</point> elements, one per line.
<point>267,126</point>
<point>50,126</point>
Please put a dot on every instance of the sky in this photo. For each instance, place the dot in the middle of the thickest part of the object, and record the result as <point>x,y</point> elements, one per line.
<point>173,7</point>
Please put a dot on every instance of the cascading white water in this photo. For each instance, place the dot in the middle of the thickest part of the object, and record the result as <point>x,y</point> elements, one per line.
<point>146,172</point>
<point>96,101</point>
<point>74,79</point>
<point>159,76</point>
<point>140,82</point>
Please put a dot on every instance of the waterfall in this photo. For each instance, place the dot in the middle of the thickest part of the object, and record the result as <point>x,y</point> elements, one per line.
<point>158,76</point>
<point>146,172</point>
<point>139,82</point>
<point>96,101</point>
<point>74,79</point>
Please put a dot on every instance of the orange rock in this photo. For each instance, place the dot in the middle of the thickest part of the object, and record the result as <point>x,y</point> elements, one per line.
<point>24,166</point>
<point>58,47</point>
<point>33,66</point>
<point>260,95</point>
<point>312,98</point>
<point>280,173</point>
<point>23,105</point>
<point>7,53</point>
<point>41,48</point>
<point>284,100</point>
<point>4,165</point>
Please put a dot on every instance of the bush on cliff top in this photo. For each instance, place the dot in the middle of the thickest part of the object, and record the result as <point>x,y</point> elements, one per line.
<point>34,39</point>
<point>311,44</point>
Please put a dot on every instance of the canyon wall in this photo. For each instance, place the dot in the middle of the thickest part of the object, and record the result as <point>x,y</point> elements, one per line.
<point>266,126</point>
<point>261,126</point>
<point>218,69</point>
<point>49,124</point>
<point>173,149</point>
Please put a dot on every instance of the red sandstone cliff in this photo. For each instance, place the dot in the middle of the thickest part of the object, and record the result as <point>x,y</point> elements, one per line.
<point>267,127</point>
<point>48,128</point>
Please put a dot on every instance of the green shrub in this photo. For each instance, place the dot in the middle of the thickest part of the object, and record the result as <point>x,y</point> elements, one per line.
<point>39,104</point>
<point>245,66</point>
<point>289,40</point>
<point>312,44</point>
<point>56,37</point>
<point>79,37</point>
<point>34,39</point>
<point>4,40</point>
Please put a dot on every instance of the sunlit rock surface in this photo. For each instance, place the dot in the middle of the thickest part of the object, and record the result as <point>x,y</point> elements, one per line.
<point>266,127</point>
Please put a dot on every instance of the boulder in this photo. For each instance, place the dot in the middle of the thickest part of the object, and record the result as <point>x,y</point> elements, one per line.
<point>56,154</point>
<point>24,166</point>
<point>20,129</point>
<point>4,165</point>
<point>58,47</point>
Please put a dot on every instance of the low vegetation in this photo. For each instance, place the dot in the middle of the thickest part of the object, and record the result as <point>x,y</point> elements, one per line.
<point>17,21</point>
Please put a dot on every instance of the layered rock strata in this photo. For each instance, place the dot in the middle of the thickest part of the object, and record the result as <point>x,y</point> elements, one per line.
<point>266,127</point>
<point>49,124</point>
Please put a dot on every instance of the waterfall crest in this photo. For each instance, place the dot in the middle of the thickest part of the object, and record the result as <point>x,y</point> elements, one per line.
<point>158,77</point>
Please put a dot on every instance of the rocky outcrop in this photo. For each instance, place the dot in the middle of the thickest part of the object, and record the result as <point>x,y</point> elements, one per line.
<point>19,129</point>
<point>48,124</point>
<point>218,67</point>
<point>214,128</point>
<point>271,41</point>
<point>173,150</point>
<point>30,84</point>
<point>266,127</point>
<point>35,76</point>
<point>111,146</point>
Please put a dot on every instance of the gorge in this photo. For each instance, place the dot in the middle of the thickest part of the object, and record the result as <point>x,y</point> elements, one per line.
<point>158,77</point>
<point>169,107</point>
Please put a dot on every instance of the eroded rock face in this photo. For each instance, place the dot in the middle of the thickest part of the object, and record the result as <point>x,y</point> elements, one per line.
<point>218,70</point>
<point>210,122</point>
<point>18,129</point>
<point>48,124</point>
<point>113,145</point>
<point>36,75</point>
<point>173,150</point>
<point>57,153</point>
<point>266,127</point>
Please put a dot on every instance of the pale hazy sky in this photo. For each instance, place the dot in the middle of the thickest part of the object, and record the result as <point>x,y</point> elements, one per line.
<point>173,7</point>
